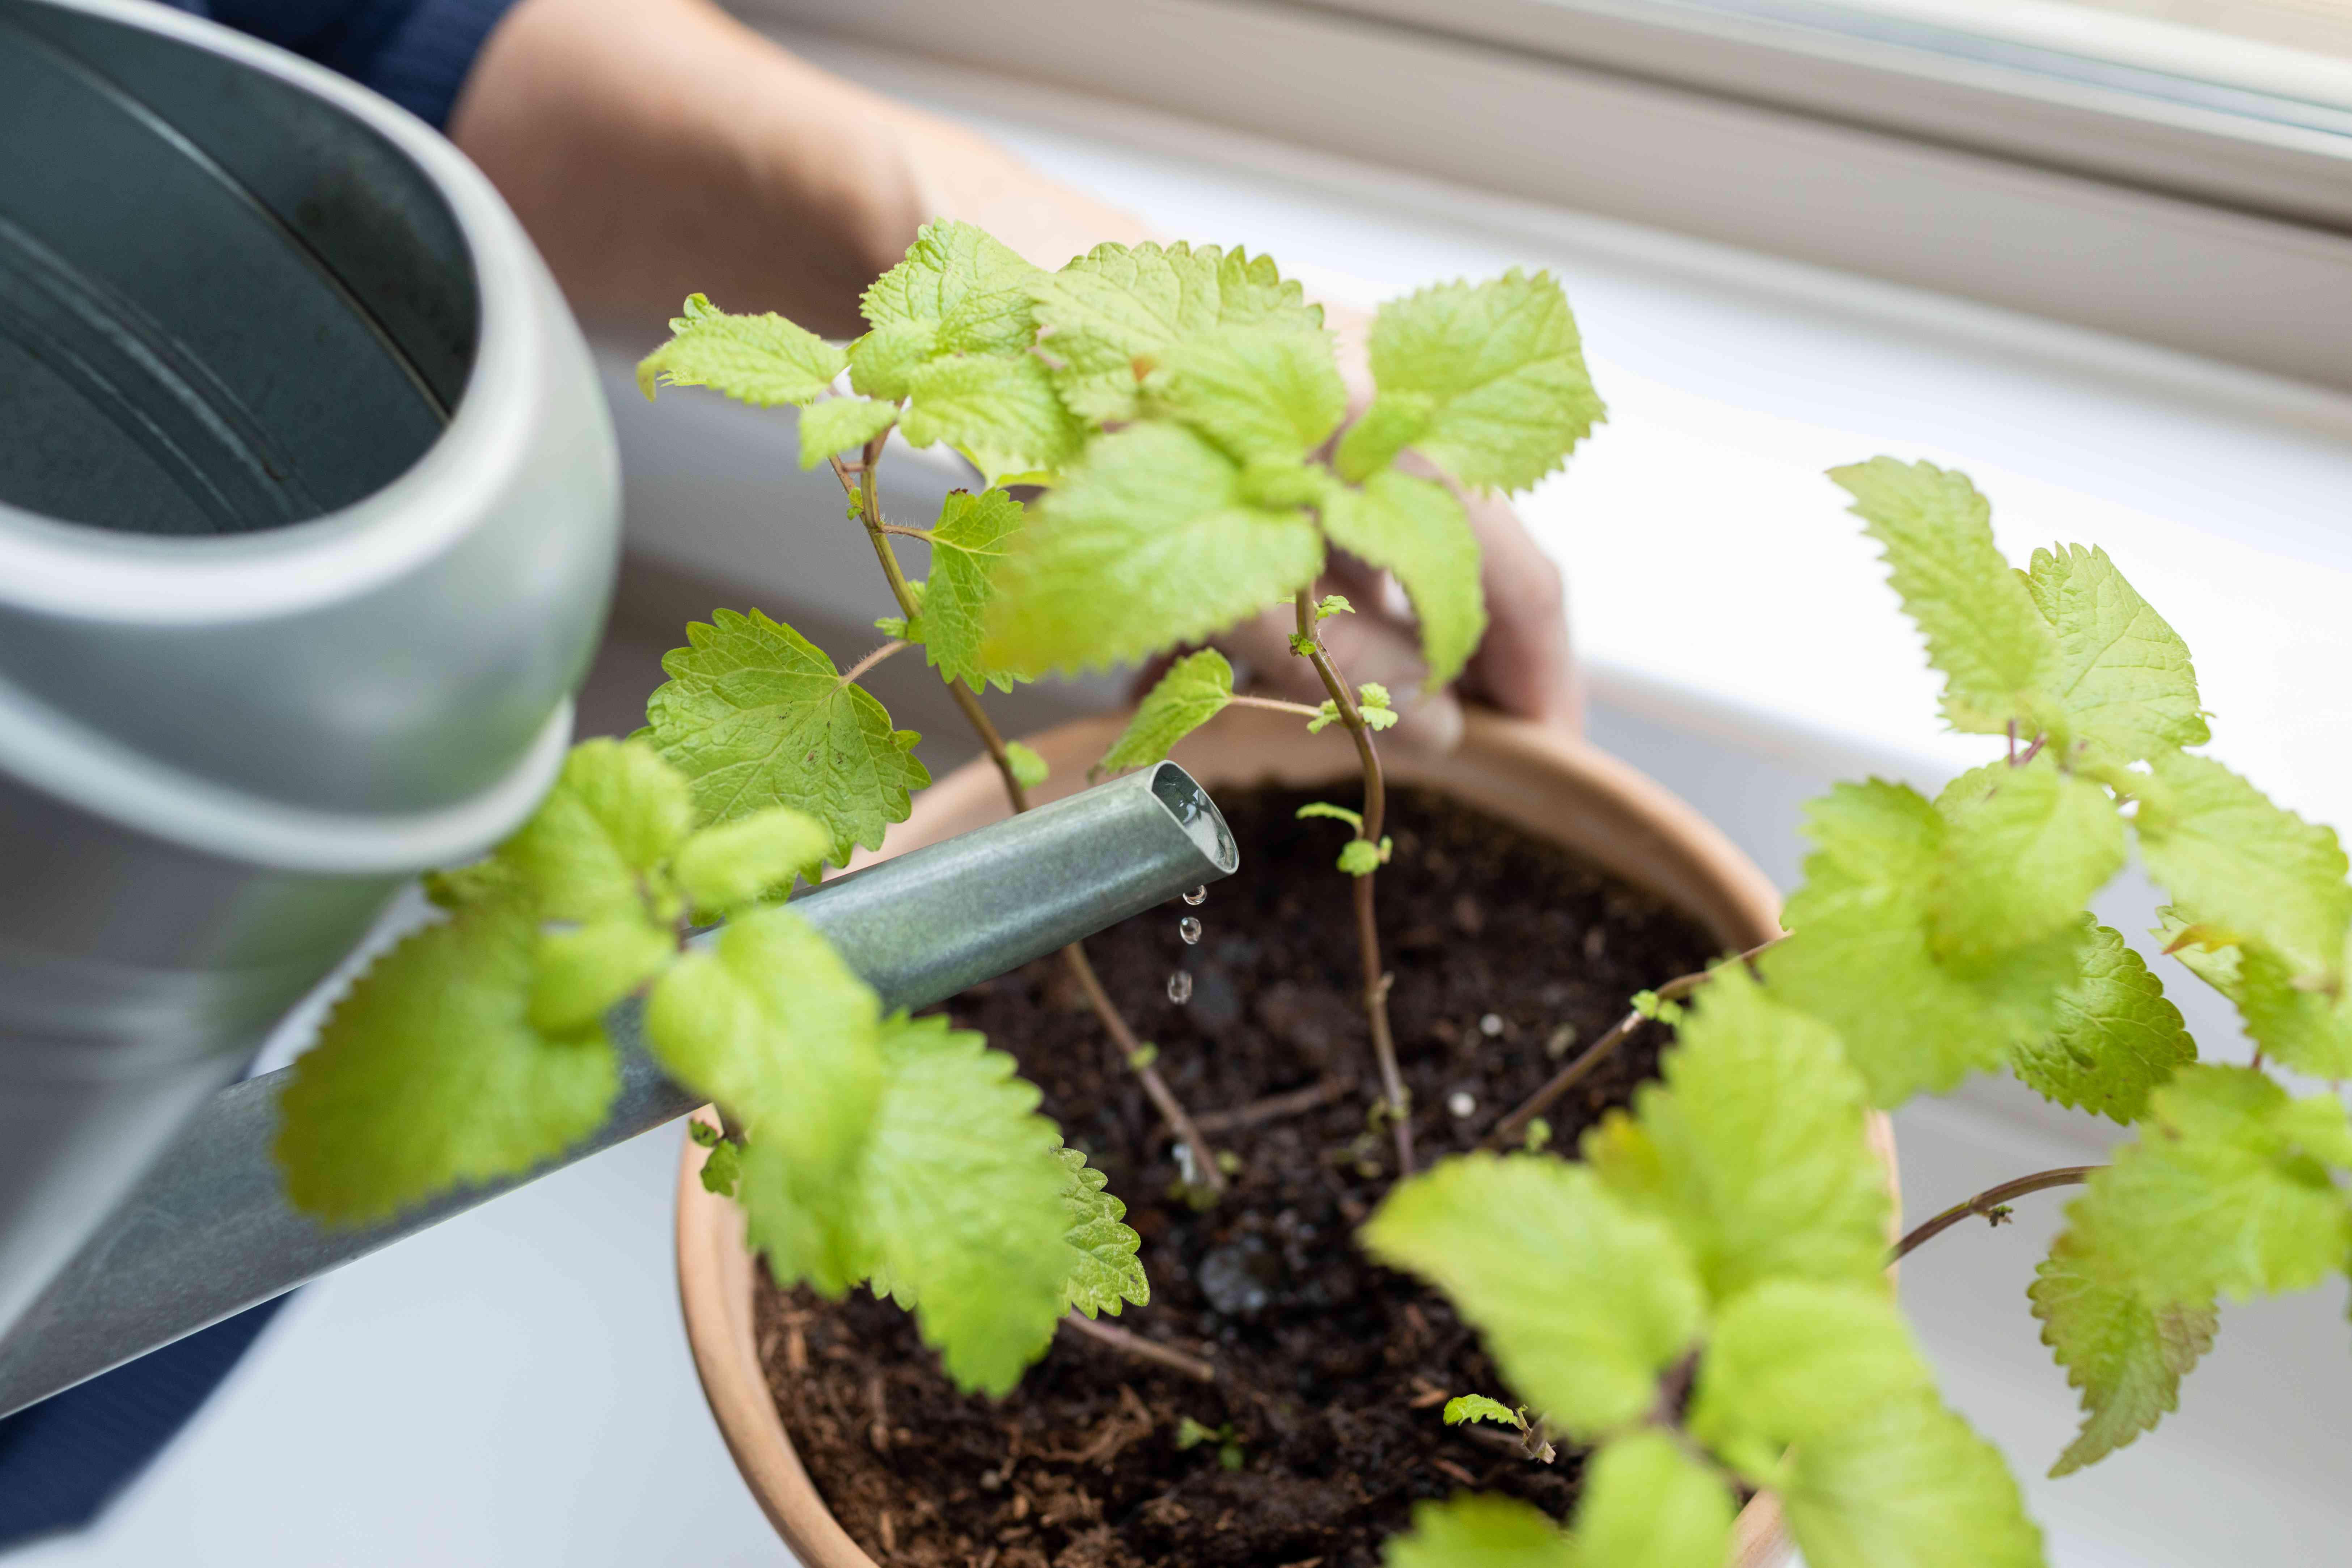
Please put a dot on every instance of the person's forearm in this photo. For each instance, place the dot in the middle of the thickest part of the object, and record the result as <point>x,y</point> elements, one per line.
<point>656,147</point>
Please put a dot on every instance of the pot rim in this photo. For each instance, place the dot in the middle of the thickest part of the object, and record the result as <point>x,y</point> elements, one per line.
<point>1548,783</point>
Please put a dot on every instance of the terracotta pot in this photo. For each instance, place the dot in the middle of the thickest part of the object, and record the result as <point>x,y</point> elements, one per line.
<point>1543,782</point>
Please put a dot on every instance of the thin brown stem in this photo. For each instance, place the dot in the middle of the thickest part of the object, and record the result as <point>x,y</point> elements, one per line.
<point>1136,1345</point>
<point>867,497</point>
<point>1276,705</point>
<point>907,533</point>
<point>1985,1203</point>
<point>1512,1128</point>
<point>857,672</point>
<point>1275,1106</point>
<point>1368,933</point>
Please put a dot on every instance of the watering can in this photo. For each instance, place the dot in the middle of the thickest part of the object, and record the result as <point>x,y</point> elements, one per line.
<point>308,519</point>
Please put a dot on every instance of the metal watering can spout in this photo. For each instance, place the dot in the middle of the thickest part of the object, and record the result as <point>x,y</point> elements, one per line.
<point>207,1232</point>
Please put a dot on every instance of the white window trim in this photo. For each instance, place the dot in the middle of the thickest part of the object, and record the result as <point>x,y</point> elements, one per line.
<point>2231,285</point>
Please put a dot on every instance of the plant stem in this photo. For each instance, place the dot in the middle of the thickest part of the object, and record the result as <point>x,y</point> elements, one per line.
<point>1509,1130</point>
<point>1368,933</point>
<point>1276,705</point>
<point>868,498</point>
<point>1985,1202</point>
<point>857,672</point>
<point>1136,1345</point>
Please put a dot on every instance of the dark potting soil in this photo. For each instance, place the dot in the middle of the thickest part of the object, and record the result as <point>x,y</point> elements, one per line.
<point>1507,952</point>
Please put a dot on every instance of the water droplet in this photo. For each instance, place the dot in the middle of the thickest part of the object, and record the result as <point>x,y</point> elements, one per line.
<point>1180,988</point>
<point>1189,929</point>
<point>1491,1025</point>
<point>1462,1104</point>
<point>1198,895</point>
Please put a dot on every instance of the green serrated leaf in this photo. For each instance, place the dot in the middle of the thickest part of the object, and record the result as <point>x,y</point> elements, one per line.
<point>966,1202</point>
<point>772,1023</point>
<point>2228,855</point>
<point>1115,311</point>
<point>2121,682</point>
<point>1791,1360</point>
<point>999,411</point>
<point>577,974</point>
<point>756,716</point>
<point>1194,690</point>
<point>1907,1485</point>
<point>2116,1036</point>
<point>2127,1353</point>
<point>722,1172</point>
<point>1863,959</point>
<point>2226,1193</point>
<point>970,539</point>
<point>1260,391</point>
<point>1582,1301</point>
<point>1105,1273</point>
<point>618,811</point>
<point>1753,1147</point>
<point>2304,1027</point>
<point>1648,1504</point>
<point>970,288</point>
<point>1417,530</point>
<point>428,1074</point>
<point>1493,375</point>
<point>1149,542</point>
<point>1478,1407</point>
<point>1983,629</point>
<point>1473,1531</point>
<point>762,360</point>
<point>838,423</point>
<point>2023,848</point>
<point>751,858</point>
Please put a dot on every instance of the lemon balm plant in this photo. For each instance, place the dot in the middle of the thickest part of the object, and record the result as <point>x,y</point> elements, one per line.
<point>1701,1300</point>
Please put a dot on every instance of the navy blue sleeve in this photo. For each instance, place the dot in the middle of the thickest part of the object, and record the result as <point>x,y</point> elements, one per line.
<point>414,52</point>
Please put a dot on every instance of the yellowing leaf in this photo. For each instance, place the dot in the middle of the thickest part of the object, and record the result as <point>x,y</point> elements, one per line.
<point>1149,542</point>
<point>428,1074</point>
<point>2127,1353</point>
<point>1416,529</point>
<point>1753,1148</point>
<point>1474,1531</point>
<point>756,716</point>
<point>1492,375</point>
<point>1257,392</point>
<point>751,858</point>
<point>762,360</point>
<point>2227,1192</point>
<point>2116,1036</point>
<point>998,410</point>
<point>618,811</point>
<point>1194,690</point>
<point>1581,1302</point>
<point>1979,619</point>
<point>970,290</point>
<point>1112,313</point>
<point>2229,856</point>
<point>1907,1485</point>
<point>2121,681</point>
<point>2302,1027</point>
<point>838,423</point>
<point>1792,1361</point>
<point>970,539</point>
<point>1647,1504</point>
<point>2023,849</point>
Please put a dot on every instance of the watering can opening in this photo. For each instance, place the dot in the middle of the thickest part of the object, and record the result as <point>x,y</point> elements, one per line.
<point>226,305</point>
